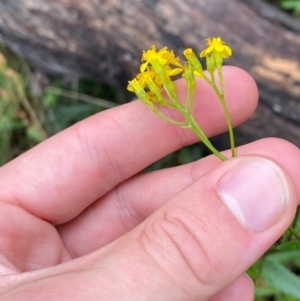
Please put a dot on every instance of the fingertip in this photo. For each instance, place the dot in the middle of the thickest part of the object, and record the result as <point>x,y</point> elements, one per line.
<point>241,97</point>
<point>279,150</point>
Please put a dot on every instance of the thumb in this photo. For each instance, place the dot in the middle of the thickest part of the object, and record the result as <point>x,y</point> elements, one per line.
<point>207,235</point>
<point>197,245</point>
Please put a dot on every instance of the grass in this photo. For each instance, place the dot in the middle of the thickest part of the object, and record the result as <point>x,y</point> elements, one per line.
<point>290,6</point>
<point>34,106</point>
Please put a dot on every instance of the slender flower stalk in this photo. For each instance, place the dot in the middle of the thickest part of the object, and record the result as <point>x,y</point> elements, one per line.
<point>214,53</point>
<point>156,72</point>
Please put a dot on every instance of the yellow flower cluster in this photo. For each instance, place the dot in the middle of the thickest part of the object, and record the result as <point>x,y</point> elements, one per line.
<point>158,66</point>
<point>216,45</point>
<point>156,72</point>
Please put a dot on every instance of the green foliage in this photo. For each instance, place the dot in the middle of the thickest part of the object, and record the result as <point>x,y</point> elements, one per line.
<point>289,6</point>
<point>292,6</point>
<point>281,278</point>
<point>28,117</point>
<point>11,87</point>
<point>276,274</point>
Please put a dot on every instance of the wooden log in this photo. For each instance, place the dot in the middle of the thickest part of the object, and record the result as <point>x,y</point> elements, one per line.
<point>104,39</point>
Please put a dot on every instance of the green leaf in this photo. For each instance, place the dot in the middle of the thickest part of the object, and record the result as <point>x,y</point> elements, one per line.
<point>50,99</point>
<point>33,134</point>
<point>284,256</point>
<point>292,5</point>
<point>265,291</point>
<point>255,270</point>
<point>290,245</point>
<point>278,276</point>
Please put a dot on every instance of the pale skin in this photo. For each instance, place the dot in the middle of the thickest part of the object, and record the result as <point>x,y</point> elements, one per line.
<point>78,221</point>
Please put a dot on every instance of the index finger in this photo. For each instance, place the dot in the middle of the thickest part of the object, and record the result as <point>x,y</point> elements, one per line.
<point>62,176</point>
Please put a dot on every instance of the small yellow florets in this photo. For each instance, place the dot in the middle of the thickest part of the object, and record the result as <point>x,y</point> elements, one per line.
<point>156,71</point>
<point>216,45</point>
<point>158,66</point>
<point>155,87</point>
<point>162,57</point>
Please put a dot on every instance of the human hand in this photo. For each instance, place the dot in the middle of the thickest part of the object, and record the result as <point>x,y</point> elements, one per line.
<point>79,223</point>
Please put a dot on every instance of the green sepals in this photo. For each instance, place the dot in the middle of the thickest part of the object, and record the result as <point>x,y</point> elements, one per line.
<point>210,63</point>
<point>139,91</point>
<point>169,87</point>
<point>189,75</point>
<point>194,62</point>
<point>156,91</point>
<point>191,85</point>
<point>218,59</point>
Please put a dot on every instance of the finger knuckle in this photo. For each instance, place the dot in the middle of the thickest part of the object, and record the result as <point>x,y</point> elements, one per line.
<point>182,243</point>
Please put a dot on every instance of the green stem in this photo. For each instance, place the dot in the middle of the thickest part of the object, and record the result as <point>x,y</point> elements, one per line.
<point>207,79</point>
<point>226,112</point>
<point>260,268</point>
<point>193,125</point>
<point>229,124</point>
<point>221,80</point>
<point>169,87</point>
<point>294,223</point>
<point>297,216</point>
<point>190,99</point>
<point>161,115</point>
<point>294,233</point>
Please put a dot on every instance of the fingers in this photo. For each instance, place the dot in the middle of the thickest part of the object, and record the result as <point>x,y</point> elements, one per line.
<point>27,243</point>
<point>134,200</point>
<point>62,176</point>
<point>241,289</point>
<point>200,241</point>
<point>192,248</point>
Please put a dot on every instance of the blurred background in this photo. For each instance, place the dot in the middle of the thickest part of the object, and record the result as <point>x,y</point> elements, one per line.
<point>62,61</point>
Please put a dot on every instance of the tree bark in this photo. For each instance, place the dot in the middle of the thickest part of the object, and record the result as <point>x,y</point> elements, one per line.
<point>104,39</point>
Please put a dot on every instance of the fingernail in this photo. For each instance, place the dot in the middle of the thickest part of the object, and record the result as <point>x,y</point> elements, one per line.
<point>256,192</point>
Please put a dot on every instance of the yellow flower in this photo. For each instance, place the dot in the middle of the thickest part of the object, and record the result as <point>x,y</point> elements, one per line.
<point>216,46</point>
<point>134,85</point>
<point>173,72</point>
<point>143,79</point>
<point>137,85</point>
<point>162,57</point>
<point>150,75</point>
